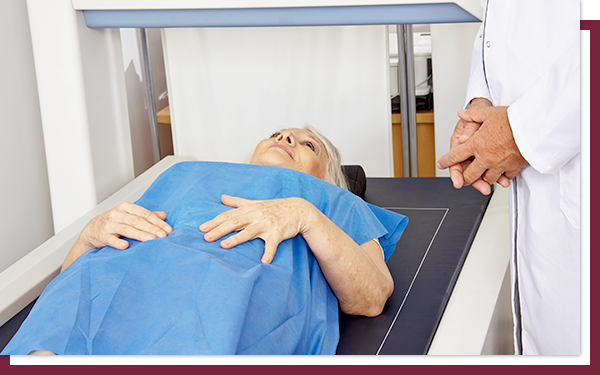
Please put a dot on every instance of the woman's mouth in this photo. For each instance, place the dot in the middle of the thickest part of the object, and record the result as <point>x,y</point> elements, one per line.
<point>285,149</point>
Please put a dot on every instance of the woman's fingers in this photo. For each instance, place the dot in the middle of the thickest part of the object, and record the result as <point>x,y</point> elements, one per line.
<point>228,221</point>
<point>131,220</point>
<point>270,250</point>
<point>272,241</point>
<point>234,202</point>
<point>271,220</point>
<point>244,235</point>
<point>126,220</point>
<point>137,233</point>
<point>162,216</point>
<point>116,242</point>
<point>139,217</point>
<point>221,225</point>
<point>140,228</point>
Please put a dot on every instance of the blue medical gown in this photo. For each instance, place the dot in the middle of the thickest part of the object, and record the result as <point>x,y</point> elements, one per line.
<point>183,295</point>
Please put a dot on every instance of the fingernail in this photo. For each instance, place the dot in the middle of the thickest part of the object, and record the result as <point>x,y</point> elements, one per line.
<point>167,229</point>
<point>160,234</point>
<point>203,227</point>
<point>148,237</point>
<point>225,243</point>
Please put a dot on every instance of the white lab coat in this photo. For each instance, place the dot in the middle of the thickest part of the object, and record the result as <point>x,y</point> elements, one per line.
<point>526,56</point>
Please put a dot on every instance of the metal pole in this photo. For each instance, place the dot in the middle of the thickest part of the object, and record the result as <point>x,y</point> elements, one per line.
<point>411,101</point>
<point>150,95</point>
<point>403,101</point>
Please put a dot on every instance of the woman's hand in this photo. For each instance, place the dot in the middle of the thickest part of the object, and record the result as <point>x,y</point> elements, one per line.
<point>356,273</point>
<point>271,220</point>
<point>126,220</point>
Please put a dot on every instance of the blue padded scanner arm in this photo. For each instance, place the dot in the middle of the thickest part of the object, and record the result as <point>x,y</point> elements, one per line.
<point>293,16</point>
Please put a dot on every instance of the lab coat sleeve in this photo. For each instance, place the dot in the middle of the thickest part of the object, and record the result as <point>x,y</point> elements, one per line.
<point>477,87</point>
<point>545,120</point>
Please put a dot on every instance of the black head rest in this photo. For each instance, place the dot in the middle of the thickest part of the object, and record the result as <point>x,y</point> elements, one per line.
<point>357,180</point>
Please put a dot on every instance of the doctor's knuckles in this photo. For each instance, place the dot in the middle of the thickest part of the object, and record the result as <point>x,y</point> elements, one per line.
<point>491,150</point>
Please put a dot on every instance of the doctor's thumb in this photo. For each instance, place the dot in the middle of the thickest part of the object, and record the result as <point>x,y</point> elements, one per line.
<point>465,115</point>
<point>474,114</point>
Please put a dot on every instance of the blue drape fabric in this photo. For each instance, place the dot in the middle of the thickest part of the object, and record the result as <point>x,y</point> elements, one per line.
<point>183,295</point>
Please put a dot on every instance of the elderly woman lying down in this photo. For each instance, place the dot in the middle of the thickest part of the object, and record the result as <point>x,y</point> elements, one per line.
<point>220,258</point>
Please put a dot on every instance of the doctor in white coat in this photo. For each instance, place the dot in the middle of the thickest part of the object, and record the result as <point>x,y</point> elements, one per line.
<point>522,129</point>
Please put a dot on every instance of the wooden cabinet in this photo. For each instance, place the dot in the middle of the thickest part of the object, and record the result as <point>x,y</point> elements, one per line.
<point>425,144</point>
<point>165,138</point>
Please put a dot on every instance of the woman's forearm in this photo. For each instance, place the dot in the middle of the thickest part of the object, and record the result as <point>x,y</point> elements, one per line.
<point>79,247</point>
<point>357,274</point>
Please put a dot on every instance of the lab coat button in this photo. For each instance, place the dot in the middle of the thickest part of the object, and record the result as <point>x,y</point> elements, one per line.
<point>488,44</point>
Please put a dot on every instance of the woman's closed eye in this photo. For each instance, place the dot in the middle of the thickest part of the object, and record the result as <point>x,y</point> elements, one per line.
<point>310,145</point>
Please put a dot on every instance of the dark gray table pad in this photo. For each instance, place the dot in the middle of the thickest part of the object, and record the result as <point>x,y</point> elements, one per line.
<point>425,266</point>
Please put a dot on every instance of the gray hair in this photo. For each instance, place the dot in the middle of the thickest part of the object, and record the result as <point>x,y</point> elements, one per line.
<point>333,173</point>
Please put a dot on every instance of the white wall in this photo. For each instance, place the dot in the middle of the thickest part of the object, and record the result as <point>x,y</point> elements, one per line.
<point>230,88</point>
<point>26,219</point>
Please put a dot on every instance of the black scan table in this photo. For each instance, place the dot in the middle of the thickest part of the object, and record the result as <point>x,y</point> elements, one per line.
<point>442,224</point>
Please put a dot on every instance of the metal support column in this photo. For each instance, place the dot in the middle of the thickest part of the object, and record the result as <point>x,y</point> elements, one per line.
<point>406,88</point>
<point>150,94</point>
<point>403,102</point>
<point>411,100</point>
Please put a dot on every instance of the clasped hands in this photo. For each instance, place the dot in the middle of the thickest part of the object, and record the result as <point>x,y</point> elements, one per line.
<point>271,220</point>
<point>482,148</point>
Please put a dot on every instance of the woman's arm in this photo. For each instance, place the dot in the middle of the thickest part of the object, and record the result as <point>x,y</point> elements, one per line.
<point>126,220</point>
<point>356,273</point>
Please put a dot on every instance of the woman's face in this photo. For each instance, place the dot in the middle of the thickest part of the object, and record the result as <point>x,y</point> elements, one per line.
<point>293,148</point>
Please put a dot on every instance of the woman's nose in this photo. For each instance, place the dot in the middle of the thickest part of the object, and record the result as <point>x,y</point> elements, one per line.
<point>286,136</point>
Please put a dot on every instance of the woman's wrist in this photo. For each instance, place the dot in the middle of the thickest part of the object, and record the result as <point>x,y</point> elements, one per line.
<point>79,247</point>
<point>310,217</point>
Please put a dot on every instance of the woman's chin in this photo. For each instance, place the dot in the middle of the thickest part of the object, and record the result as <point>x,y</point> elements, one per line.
<point>273,161</point>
